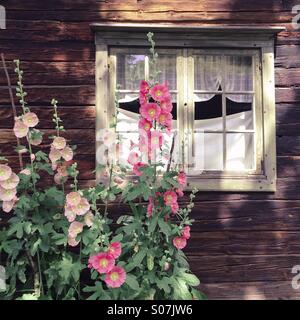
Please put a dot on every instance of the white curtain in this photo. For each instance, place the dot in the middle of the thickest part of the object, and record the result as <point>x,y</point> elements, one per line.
<point>233,72</point>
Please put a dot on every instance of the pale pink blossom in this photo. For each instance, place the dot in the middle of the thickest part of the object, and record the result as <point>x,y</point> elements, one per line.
<point>67,153</point>
<point>54,155</point>
<point>59,143</point>
<point>82,208</point>
<point>72,242</point>
<point>59,179</point>
<point>115,277</point>
<point>156,140</point>
<point>7,195</point>
<point>102,262</point>
<point>75,228</point>
<point>69,213</point>
<point>11,183</point>
<point>30,119</point>
<point>73,199</point>
<point>115,249</point>
<point>109,137</point>
<point>7,206</point>
<point>133,158</point>
<point>20,129</point>
<point>5,172</point>
<point>26,172</point>
<point>32,157</point>
<point>179,242</point>
<point>88,219</point>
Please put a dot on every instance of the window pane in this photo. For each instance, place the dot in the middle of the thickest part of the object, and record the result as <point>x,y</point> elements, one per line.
<point>128,115</point>
<point>240,151</point>
<point>208,113</point>
<point>207,72</point>
<point>239,112</point>
<point>166,64</point>
<point>130,71</point>
<point>238,73</point>
<point>208,151</point>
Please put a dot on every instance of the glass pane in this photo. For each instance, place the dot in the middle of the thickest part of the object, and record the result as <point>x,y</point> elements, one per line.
<point>208,151</point>
<point>240,151</point>
<point>130,70</point>
<point>207,72</point>
<point>166,64</point>
<point>208,112</point>
<point>239,112</point>
<point>128,115</point>
<point>238,73</point>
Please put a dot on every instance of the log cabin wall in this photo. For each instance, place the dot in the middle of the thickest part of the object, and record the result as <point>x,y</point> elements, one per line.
<point>244,245</point>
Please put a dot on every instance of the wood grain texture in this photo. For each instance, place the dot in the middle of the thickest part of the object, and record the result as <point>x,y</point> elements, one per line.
<point>243,245</point>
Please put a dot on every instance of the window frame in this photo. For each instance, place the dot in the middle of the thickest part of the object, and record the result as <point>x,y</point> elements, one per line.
<point>262,39</point>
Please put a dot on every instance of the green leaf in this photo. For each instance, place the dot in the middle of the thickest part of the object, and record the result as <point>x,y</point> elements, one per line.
<point>190,279</point>
<point>153,223</point>
<point>132,282</point>
<point>165,228</point>
<point>150,262</point>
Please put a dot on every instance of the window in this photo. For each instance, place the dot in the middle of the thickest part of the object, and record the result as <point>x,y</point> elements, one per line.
<point>222,85</point>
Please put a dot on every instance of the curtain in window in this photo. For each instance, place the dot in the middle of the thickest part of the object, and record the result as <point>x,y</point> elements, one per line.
<point>233,72</point>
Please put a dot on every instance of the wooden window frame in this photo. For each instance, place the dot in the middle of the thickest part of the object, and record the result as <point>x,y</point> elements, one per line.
<point>260,39</point>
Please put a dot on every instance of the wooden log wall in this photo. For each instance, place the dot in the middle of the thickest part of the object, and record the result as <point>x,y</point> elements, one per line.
<point>243,246</point>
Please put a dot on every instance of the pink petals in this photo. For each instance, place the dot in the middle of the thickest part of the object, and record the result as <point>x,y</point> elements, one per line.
<point>159,92</point>
<point>20,129</point>
<point>133,158</point>
<point>11,183</point>
<point>150,111</point>
<point>137,167</point>
<point>115,249</point>
<point>179,242</point>
<point>59,143</point>
<point>73,199</point>
<point>7,194</point>
<point>170,197</point>
<point>5,172</point>
<point>30,120</point>
<point>102,262</point>
<point>115,277</point>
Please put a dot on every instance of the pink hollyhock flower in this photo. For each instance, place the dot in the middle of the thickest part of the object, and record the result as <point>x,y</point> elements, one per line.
<point>166,105</point>
<point>143,98</point>
<point>75,228</point>
<point>179,192</point>
<point>54,155</point>
<point>115,277</point>
<point>156,140</point>
<point>102,262</point>
<point>72,242</point>
<point>88,219</point>
<point>186,232</point>
<point>144,87</point>
<point>62,170</point>
<point>82,208</point>
<point>133,158</point>
<point>150,207</point>
<point>181,179</point>
<point>30,119</point>
<point>170,197</point>
<point>67,154</point>
<point>59,179</point>
<point>5,172</point>
<point>159,92</point>
<point>26,172</point>
<point>150,111</point>
<point>59,143</point>
<point>7,195</point>
<point>109,138</point>
<point>145,124</point>
<point>136,168</point>
<point>20,129</point>
<point>165,119</point>
<point>69,213</point>
<point>73,199</point>
<point>144,142</point>
<point>174,207</point>
<point>11,183</point>
<point>179,242</point>
<point>115,249</point>
<point>7,206</point>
